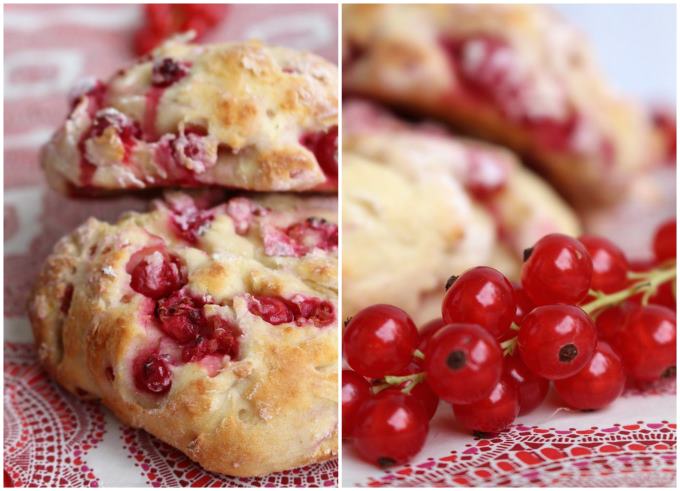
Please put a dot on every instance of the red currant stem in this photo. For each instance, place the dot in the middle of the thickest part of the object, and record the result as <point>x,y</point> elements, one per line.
<point>411,381</point>
<point>514,326</point>
<point>400,379</point>
<point>508,346</point>
<point>649,283</point>
<point>418,354</point>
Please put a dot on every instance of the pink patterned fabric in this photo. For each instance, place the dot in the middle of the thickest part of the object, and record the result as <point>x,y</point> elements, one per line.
<point>640,454</point>
<point>51,437</point>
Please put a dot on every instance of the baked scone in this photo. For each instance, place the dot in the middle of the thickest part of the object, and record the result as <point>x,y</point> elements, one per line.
<point>513,74</point>
<point>236,115</point>
<point>213,328</point>
<point>420,205</point>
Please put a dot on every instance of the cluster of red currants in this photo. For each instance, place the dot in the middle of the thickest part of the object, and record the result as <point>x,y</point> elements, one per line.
<point>583,317</point>
<point>164,20</point>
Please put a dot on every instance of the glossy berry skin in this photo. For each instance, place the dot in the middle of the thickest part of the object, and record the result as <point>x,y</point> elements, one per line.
<point>611,321</point>
<point>556,341</point>
<point>390,429</point>
<point>531,388</point>
<point>355,392</point>
<point>610,266</point>
<point>427,330</point>
<point>152,373</point>
<point>523,304</point>
<point>155,273</point>
<point>481,296</point>
<point>463,363</point>
<point>379,340</point>
<point>492,414</point>
<point>665,241</point>
<point>646,344</point>
<point>558,270</point>
<point>596,385</point>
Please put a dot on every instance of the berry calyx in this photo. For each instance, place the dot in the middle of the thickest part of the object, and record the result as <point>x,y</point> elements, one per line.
<point>558,270</point>
<point>665,247</point>
<point>646,344</point>
<point>355,392</point>
<point>610,266</point>
<point>556,341</point>
<point>481,296</point>
<point>492,414</point>
<point>152,373</point>
<point>531,388</point>
<point>379,340</point>
<point>597,384</point>
<point>463,363</point>
<point>390,429</point>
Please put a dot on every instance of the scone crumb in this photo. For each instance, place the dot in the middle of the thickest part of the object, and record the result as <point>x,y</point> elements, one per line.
<point>108,271</point>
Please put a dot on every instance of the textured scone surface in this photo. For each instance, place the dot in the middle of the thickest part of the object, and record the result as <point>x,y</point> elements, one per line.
<point>239,115</point>
<point>515,74</point>
<point>213,328</point>
<point>421,204</point>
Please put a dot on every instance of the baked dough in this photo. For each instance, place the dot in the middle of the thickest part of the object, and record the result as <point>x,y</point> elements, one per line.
<point>238,115</point>
<point>411,219</point>
<point>512,74</point>
<point>214,328</point>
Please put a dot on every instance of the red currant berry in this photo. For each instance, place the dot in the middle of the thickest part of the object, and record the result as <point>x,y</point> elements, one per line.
<point>355,392</point>
<point>152,373</point>
<point>155,273</point>
<point>523,303</point>
<point>610,266</point>
<point>646,344</point>
<point>463,363</point>
<point>558,270</point>
<point>427,330</point>
<point>556,341</point>
<point>665,241</point>
<point>492,414</point>
<point>481,296</point>
<point>379,340</point>
<point>665,295</point>
<point>610,322</point>
<point>531,388</point>
<point>597,384</point>
<point>390,430</point>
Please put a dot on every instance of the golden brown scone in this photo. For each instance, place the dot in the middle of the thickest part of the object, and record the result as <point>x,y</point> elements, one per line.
<point>420,205</point>
<point>238,115</point>
<point>513,74</point>
<point>213,328</point>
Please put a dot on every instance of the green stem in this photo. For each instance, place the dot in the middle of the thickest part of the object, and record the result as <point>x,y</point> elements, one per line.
<point>411,381</point>
<point>649,283</point>
<point>418,354</point>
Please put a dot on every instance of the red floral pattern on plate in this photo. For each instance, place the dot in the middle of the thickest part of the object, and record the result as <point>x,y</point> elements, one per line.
<point>641,454</point>
<point>165,466</point>
<point>47,431</point>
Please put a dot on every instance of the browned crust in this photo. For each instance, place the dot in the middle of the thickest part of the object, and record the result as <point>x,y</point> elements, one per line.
<point>255,101</point>
<point>274,409</point>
